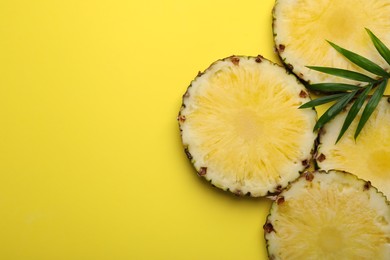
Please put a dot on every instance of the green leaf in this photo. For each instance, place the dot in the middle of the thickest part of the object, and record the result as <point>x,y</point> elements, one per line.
<point>344,93</point>
<point>370,107</point>
<point>333,87</point>
<point>360,61</point>
<point>381,48</point>
<point>354,110</point>
<point>343,73</point>
<point>334,110</point>
<point>322,100</point>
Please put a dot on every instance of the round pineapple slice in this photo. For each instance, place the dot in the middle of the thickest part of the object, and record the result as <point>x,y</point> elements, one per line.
<point>302,28</point>
<point>368,156</point>
<point>241,126</point>
<point>331,215</point>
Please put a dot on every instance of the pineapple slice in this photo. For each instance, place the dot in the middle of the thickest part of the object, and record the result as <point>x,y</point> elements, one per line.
<point>331,215</point>
<point>241,126</point>
<point>301,28</point>
<point>369,156</point>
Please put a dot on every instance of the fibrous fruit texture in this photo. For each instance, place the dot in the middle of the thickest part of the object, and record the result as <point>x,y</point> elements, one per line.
<point>368,156</point>
<point>329,215</point>
<point>241,126</point>
<point>303,27</point>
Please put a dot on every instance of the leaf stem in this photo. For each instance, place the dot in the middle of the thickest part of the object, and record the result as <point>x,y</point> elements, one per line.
<point>344,94</point>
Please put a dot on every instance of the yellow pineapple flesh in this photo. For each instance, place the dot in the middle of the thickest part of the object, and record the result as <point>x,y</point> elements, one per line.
<point>329,215</point>
<point>368,156</point>
<point>303,27</point>
<point>241,126</point>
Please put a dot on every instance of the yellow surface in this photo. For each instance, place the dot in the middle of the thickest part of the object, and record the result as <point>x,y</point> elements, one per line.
<point>91,163</point>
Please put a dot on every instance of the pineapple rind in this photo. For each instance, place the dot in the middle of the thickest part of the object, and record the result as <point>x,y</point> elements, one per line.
<point>302,27</point>
<point>206,126</point>
<point>332,215</point>
<point>368,156</point>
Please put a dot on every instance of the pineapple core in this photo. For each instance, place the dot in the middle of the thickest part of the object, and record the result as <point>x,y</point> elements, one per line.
<point>330,239</point>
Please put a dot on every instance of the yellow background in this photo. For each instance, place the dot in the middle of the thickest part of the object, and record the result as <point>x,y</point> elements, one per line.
<point>91,163</point>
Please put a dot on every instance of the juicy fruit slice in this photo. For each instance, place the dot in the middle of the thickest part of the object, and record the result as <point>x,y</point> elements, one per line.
<point>301,28</point>
<point>369,156</point>
<point>241,126</point>
<point>330,215</point>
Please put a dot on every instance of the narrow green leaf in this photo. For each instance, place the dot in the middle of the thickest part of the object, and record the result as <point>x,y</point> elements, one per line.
<point>370,107</point>
<point>322,100</point>
<point>334,110</point>
<point>333,87</point>
<point>354,110</point>
<point>360,61</point>
<point>343,73</point>
<point>380,46</point>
